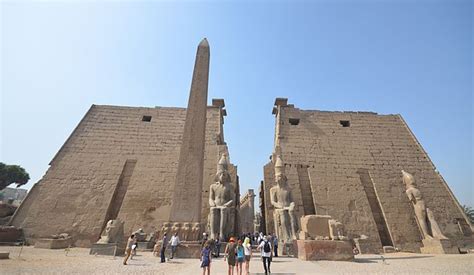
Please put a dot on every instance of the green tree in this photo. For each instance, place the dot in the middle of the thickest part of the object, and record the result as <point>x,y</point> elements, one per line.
<point>469,213</point>
<point>12,174</point>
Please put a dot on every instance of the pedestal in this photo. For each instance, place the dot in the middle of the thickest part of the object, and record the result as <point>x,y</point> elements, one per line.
<point>111,249</point>
<point>53,243</point>
<point>432,246</point>
<point>313,250</point>
<point>145,246</point>
<point>4,255</point>
<point>188,250</point>
<point>285,249</point>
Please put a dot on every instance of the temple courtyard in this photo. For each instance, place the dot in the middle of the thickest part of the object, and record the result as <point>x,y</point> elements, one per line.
<point>78,261</point>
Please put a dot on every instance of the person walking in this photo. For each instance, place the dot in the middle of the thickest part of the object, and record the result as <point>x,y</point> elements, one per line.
<point>164,242</point>
<point>206,259</point>
<point>217,247</point>
<point>266,251</point>
<point>230,251</point>
<point>240,257</point>
<point>128,249</point>
<point>248,254</point>
<point>174,242</point>
<point>275,246</point>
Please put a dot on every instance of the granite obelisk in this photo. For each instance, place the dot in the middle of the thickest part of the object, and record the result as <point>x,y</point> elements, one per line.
<point>186,203</point>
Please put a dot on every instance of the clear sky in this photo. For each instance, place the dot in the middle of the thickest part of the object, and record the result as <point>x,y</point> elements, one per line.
<point>408,57</point>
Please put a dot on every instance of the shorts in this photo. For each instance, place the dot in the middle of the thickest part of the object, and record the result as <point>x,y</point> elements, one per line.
<point>240,260</point>
<point>247,258</point>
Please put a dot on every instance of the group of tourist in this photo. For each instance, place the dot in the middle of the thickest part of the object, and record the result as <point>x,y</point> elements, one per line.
<point>237,253</point>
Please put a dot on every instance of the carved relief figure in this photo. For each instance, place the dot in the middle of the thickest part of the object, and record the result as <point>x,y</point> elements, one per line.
<point>196,231</point>
<point>175,228</point>
<point>336,230</point>
<point>112,233</point>
<point>165,229</point>
<point>221,200</point>
<point>424,216</point>
<point>185,232</point>
<point>280,196</point>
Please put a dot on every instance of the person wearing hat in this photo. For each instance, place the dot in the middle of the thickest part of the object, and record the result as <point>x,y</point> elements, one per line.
<point>229,252</point>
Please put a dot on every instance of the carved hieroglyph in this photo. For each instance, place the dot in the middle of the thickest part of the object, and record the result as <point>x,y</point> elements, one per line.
<point>286,225</point>
<point>221,198</point>
<point>425,218</point>
<point>113,232</point>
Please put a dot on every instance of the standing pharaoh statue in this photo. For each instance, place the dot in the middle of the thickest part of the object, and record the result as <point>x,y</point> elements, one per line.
<point>221,200</point>
<point>424,216</point>
<point>280,196</point>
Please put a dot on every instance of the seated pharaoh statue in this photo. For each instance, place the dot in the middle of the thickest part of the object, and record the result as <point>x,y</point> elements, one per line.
<point>112,233</point>
<point>425,218</point>
<point>286,225</point>
<point>221,198</point>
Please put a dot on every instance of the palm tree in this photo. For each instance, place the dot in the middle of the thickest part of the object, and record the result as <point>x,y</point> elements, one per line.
<point>469,213</point>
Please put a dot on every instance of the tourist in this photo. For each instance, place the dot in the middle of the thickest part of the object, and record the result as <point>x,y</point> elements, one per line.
<point>163,248</point>
<point>204,239</point>
<point>128,248</point>
<point>206,259</point>
<point>275,245</point>
<point>174,242</point>
<point>134,248</point>
<point>266,250</point>
<point>248,254</point>
<point>217,247</point>
<point>240,257</point>
<point>230,251</point>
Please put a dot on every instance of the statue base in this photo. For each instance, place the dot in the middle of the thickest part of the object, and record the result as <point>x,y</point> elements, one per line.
<point>433,246</point>
<point>53,243</point>
<point>111,249</point>
<point>145,246</point>
<point>314,250</point>
<point>286,249</point>
<point>188,249</point>
<point>4,255</point>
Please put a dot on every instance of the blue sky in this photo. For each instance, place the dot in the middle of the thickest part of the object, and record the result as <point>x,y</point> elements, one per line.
<point>408,57</point>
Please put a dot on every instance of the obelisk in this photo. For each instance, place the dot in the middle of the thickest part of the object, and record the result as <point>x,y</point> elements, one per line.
<point>186,204</point>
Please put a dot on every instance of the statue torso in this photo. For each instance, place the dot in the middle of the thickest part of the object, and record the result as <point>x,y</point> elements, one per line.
<point>281,195</point>
<point>222,193</point>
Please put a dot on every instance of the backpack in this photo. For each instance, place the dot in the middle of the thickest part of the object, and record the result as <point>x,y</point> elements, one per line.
<point>266,247</point>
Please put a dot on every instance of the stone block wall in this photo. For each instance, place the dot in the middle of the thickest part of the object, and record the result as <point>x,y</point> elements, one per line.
<point>76,193</point>
<point>354,162</point>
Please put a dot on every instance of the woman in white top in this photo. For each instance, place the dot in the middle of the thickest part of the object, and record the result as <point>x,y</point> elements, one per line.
<point>248,254</point>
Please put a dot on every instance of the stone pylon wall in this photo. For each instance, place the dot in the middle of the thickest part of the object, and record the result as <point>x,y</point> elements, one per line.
<point>112,151</point>
<point>353,169</point>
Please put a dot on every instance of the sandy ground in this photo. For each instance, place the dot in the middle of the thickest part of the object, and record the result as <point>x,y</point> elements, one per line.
<point>78,260</point>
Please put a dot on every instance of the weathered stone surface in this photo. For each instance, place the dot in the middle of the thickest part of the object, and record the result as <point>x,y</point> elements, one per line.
<point>122,163</point>
<point>388,249</point>
<point>354,175</point>
<point>53,243</point>
<point>189,250</point>
<point>189,177</point>
<point>111,249</point>
<point>10,234</point>
<point>247,213</point>
<point>4,255</point>
<point>313,250</point>
<point>315,225</point>
<point>435,246</point>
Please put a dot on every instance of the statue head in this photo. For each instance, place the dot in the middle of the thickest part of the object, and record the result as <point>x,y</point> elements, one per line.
<point>197,226</point>
<point>280,177</point>
<point>176,225</point>
<point>166,225</point>
<point>187,225</point>
<point>223,175</point>
<point>408,179</point>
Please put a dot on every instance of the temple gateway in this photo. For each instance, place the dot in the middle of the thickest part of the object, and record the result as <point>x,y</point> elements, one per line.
<point>334,180</point>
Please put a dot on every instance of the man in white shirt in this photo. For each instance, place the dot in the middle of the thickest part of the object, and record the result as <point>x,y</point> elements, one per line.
<point>174,242</point>
<point>266,249</point>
